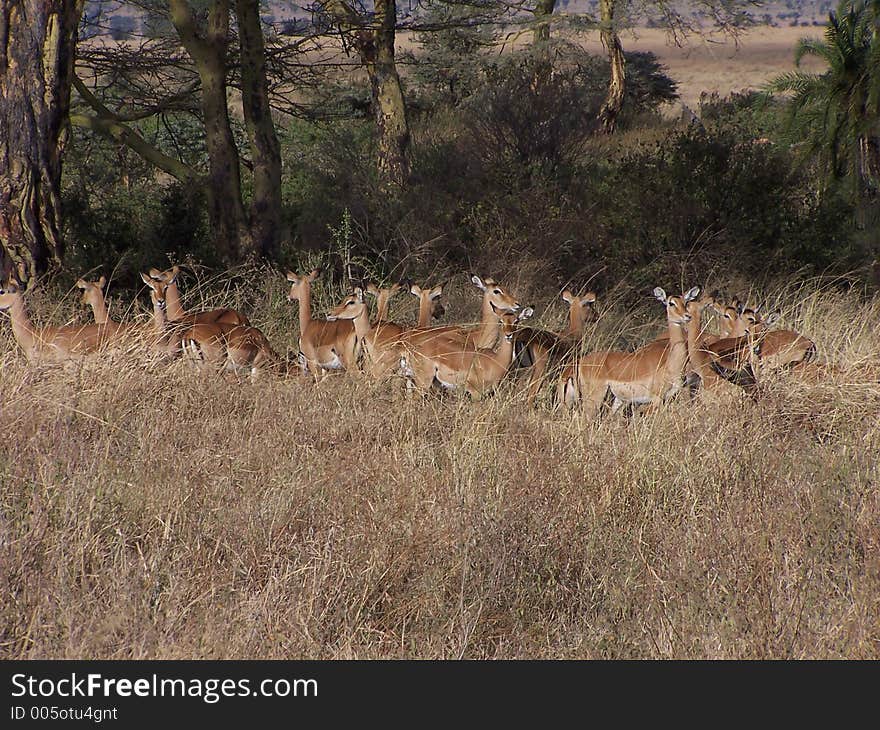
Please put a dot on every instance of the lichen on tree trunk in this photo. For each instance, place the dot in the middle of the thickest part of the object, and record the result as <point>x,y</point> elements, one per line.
<point>37,49</point>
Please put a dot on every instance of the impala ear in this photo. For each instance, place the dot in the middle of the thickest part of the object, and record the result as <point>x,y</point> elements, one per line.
<point>372,289</point>
<point>292,278</point>
<point>314,274</point>
<point>525,314</point>
<point>81,284</point>
<point>588,298</point>
<point>660,295</point>
<point>415,290</point>
<point>395,288</point>
<point>478,282</point>
<point>771,318</point>
<point>175,270</point>
<point>359,294</point>
<point>436,292</point>
<point>567,296</point>
<point>148,280</point>
<point>692,294</point>
<point>102,282</point>
<point>155,274</point>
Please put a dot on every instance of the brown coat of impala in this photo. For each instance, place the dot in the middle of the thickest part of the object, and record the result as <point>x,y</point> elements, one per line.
<point>650,375</point>
<point>417,348</point>
<point>177,314</point>
<point>381,345</point>
<point>476,371</point>
<point>536,349</point>
<point>324,345</point>
<point>48,344</point>
<point>218,345</point>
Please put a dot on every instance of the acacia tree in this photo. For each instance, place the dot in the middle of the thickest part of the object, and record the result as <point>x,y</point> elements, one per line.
<point>373,36</point>
<point>37,49</point>
<point>193,55</point>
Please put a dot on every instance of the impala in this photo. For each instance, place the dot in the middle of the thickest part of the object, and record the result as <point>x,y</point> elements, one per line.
<point>535,349</point>
<point>651,375</point>
<point>175,311</point>
<point>773,349</point>
<point>716,367</point>
<point>221,345</point>
<point>323,345</point>
<point>422,344</point>
<point>51,344</point>
<point>383,296</point>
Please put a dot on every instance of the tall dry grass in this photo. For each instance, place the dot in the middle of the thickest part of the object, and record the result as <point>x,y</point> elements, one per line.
<point>153,512</point>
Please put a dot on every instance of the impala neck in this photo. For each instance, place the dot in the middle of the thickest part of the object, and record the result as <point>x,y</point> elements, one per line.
<point>305,307</point>
<point>678,347</point>
<point>172,302</point>
<point>99,310</point>
<point>426,307</point>
<point>362,324</point>
<point>487,333</point>
<point>382,306</point>
<point>22,328</point>
<point>576,321</point>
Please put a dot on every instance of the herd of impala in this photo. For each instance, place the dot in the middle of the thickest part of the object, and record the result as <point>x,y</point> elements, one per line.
<point>472,359</point>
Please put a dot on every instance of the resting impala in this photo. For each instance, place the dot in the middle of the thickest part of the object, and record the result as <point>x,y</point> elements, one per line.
<point>535,349</point>
<point>383,296</point>
<point>650,375</point>
<point>773,349</point>
<point>323,345</point>
<point>176,312</point>
<point>221,345</point>
<point>711,364</point>
<point>50,344</point>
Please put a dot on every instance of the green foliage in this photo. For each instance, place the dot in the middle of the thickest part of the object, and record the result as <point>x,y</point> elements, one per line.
<point>834,116</point>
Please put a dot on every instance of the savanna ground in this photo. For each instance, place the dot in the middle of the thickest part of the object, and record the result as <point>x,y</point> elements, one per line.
<point>151,512</point>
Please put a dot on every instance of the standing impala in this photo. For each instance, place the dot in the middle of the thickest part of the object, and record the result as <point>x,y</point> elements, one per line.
<point>650,375</point>
<point>323,345</point>
<point>48,344</point>
<point>176,312</point>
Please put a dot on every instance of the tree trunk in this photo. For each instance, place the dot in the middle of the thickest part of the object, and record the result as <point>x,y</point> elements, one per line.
<point>208,51</point>
<point>613,103</point>
<point>37,49</point>
<point>543,12</point>
<point>265,210</point>
<point>376,48</point>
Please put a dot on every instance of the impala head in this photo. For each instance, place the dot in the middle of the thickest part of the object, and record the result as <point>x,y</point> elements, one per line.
<point>696,305</point>
<point>9,293</point>
<point>510,320</point>
<point>157,290</point>
<point>169,276</point>
<point>388,291</point>
<point>352,307</point>
<point>676,306</point>
<point>430,297</point>
<point>300,286</point>
<point>93,291</point>
<point>575,301</point>
<point>495,296</point>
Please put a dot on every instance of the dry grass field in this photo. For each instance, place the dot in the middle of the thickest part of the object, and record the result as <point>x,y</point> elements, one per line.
<point>147,511</point>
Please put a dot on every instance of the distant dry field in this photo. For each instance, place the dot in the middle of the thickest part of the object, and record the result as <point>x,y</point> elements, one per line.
<point>153,512</point>
<point>716,64</point>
